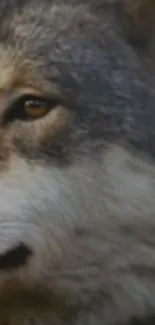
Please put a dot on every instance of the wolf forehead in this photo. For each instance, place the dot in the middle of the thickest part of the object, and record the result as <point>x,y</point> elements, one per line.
<point>43,41</point>
<point>59,44</point>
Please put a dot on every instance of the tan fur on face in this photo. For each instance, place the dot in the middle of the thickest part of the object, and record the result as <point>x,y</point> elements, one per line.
<point>59,119</point>
<point>77,186</point>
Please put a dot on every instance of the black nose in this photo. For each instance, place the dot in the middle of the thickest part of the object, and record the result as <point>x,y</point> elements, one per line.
<point>15,257</point>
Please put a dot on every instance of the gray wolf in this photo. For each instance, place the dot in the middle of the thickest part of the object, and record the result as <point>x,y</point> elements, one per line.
<point>77,162</point>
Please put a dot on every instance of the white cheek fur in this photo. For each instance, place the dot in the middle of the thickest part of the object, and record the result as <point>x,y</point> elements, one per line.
<point>44,206</point>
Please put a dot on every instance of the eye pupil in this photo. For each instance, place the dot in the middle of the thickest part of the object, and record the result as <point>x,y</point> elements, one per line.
<point>33,104</point>
<point>35,108</point>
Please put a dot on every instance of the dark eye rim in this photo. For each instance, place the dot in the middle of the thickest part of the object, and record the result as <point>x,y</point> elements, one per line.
<point>16,111</point>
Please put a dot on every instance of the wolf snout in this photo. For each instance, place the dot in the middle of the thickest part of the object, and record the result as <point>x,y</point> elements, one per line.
<point>15,257</point>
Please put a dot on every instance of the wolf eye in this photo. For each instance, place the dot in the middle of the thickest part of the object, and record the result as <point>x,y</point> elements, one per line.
<point>29,107</point>
<point>35,108</point>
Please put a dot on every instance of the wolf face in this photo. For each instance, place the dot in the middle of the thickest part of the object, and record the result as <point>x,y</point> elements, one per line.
<point>77,170</point>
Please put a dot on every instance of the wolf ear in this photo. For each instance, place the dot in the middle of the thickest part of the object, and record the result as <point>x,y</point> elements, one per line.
<point>139,18</point>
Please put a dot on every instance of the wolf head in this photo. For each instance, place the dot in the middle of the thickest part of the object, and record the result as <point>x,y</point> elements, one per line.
<point>77,171</point>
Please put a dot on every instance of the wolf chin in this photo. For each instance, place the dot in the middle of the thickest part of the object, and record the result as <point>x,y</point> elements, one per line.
<point>77,162</point>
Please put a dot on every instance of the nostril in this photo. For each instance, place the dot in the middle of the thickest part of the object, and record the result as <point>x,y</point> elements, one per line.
<point>15,257</point>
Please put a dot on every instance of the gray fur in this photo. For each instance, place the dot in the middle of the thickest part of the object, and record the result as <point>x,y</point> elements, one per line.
<point>82,198</point>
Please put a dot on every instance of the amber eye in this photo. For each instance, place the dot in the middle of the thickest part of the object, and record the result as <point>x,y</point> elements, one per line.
<point>29,107</point>
<point>35,108</point>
